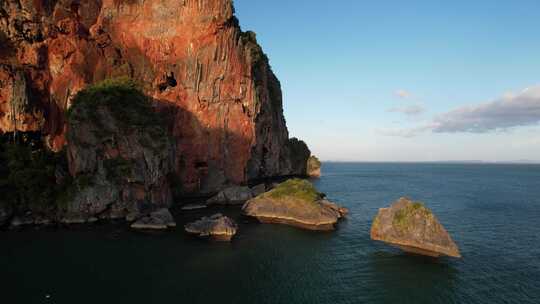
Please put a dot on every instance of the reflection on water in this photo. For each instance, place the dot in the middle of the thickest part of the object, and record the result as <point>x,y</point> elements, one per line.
<point>406,278</point>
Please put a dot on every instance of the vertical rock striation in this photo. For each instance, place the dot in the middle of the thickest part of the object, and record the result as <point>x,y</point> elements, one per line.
<point>209,80</point>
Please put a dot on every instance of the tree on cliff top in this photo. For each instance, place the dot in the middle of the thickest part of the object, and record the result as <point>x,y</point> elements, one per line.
<point>124,100</point>
<point>27,173</point>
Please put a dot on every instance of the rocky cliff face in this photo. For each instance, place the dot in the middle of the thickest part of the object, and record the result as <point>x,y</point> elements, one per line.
<point>211,81</point>
<point>118,152</point>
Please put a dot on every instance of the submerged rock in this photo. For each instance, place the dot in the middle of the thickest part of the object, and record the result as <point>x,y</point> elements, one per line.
<point>297,203</point>
<point>157,220</point>
<point>217,226</point>
<point>413,228</point>
<point>313,167</point>
<point>235,195</point>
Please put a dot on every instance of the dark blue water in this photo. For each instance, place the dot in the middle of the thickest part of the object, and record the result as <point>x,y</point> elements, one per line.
<point>491,211</point>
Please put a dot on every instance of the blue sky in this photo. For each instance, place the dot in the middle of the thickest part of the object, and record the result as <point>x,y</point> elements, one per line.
<point>406,80</point>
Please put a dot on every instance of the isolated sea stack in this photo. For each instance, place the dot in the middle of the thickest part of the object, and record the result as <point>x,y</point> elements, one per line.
<point>413,228</point>
<point>313,167</point>
<point>297,203</point>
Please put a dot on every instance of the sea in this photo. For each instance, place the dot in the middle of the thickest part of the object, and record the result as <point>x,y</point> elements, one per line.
<point>492,212</point>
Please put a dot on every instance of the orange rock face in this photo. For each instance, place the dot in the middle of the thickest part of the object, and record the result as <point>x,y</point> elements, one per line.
<point>209,79</point>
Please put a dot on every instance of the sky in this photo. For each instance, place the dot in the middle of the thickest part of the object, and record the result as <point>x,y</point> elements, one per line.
<point>405,80</point>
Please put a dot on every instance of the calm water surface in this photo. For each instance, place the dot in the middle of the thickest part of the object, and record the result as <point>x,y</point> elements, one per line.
<point>491,211</point>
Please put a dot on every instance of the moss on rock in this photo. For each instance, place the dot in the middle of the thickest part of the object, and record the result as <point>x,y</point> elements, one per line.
<point>414,228</point>
<point>296,188</point>
<point>404,217</point>
<point>295,202</point>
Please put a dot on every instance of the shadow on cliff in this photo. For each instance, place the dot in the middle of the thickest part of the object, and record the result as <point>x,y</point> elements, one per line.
<point>205,158</point>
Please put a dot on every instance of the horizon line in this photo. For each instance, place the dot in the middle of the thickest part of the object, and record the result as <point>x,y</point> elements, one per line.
<point>524,162</point>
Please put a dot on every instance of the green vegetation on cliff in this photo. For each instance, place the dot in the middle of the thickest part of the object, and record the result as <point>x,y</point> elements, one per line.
<point>129,107</point>
<point>313,162</point>
<point>116,142</point>
<point>403,217</point>
<point>28,172</point>
<point>313,166</point>
<point>295,188</point>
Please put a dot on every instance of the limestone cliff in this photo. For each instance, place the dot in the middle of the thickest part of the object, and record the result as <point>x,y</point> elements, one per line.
<point>209,80</point>
<point>118,152</point>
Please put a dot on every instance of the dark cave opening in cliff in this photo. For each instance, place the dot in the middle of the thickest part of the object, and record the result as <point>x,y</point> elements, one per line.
<point>170,81</point>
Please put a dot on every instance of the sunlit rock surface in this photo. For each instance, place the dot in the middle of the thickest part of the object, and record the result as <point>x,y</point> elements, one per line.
<point>313,167</point>
<point>297,203</point>
<point>413,228</point>
<point>210,81</point>
<point>217,226</point>
<point>158,220</point>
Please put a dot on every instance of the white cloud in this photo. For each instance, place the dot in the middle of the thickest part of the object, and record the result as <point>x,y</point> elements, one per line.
<point>404,132</point>
<point>408,110</point>
<point>509,111</point>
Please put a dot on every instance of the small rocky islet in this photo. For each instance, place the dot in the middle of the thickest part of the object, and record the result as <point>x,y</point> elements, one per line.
<point>295,202</point>
<point>217,226</point>
<point>314,167</point>
<point>413,228</point>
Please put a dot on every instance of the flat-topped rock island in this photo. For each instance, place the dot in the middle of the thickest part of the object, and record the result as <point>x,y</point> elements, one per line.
<point>295,202</point>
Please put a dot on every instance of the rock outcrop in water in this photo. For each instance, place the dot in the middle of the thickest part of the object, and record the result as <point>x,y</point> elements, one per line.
<point>158,220</point>
<point>313,167</point>
<point>210,81</point>
<point>413,228</point>
<point>297,203</point>
<point>217,226</point>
